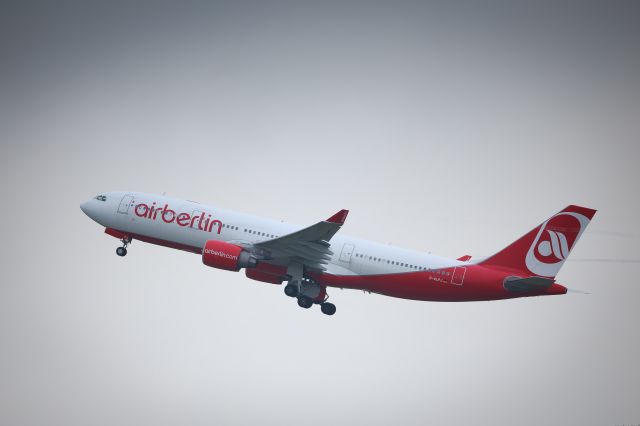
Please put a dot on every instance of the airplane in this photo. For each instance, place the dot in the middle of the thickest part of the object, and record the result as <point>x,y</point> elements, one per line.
<point>311,259</point>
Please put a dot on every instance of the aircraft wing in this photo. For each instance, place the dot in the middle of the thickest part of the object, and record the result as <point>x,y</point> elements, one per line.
<point>308,246</point>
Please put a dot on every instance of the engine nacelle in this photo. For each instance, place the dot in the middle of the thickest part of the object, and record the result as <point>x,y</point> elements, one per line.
<point>230,257</point>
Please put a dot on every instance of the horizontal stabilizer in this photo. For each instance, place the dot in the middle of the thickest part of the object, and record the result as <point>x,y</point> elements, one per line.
<point>524,285</point>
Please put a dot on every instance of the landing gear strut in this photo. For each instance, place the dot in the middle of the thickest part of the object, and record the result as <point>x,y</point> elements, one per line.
<point>306,290</point>
<point>306,300</point>
<point>122,251</point>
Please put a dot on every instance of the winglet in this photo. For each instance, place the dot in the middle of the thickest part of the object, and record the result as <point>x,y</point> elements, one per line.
<point>464,258</point>
<point>339,217</point>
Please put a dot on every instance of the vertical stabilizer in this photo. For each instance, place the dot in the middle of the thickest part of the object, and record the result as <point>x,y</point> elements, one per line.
<point>542,251</point>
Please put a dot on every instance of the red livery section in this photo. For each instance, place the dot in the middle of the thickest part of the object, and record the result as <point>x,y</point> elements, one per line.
<point>264,277</point>
<point>479,284</point>
<point>339,217</point>
<point>221,255</point>
<point>268,273</point>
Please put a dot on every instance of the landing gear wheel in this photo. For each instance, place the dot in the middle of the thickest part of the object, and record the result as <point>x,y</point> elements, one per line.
<point>121,251</point>
<point>328,308</point>
<point>291,290</point>
<point>305,302</point>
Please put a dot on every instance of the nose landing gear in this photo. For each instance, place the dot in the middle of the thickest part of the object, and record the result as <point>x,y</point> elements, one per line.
<point>122,251</point>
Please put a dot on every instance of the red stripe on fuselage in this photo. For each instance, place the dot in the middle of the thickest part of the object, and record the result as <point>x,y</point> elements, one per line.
<point>152,240</point>
<point>480,283</point>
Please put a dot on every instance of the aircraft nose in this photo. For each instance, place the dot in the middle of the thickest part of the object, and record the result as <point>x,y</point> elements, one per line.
<point>89,208</point>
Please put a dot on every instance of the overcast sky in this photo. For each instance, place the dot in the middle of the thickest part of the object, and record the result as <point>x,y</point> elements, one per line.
<point>447,127</point>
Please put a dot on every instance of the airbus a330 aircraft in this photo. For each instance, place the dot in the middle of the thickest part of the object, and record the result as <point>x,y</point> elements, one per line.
<point>310,259</point>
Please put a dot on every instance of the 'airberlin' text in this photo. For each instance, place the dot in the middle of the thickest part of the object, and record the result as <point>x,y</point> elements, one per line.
<point>197,221</point>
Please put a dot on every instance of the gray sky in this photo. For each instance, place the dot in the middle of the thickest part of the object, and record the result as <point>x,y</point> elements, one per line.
<point>444,127</point>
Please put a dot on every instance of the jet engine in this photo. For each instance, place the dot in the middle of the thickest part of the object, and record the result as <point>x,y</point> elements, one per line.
<point>230,257</point>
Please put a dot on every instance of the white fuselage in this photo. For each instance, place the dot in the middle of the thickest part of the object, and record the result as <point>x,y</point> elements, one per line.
<point>194,224</point>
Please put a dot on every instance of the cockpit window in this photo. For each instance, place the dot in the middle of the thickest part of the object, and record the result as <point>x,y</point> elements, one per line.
<point>101,198</point>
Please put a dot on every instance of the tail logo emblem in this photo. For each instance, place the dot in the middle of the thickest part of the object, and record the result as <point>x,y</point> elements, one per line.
<point>556,245</point>
<point>553,243</point>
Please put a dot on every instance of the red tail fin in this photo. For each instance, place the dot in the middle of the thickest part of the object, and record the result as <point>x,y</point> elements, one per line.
<point>542,251</point>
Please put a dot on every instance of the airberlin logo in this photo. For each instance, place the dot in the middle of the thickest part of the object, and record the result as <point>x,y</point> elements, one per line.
<point>556,245</point>
<point>220,254</point>
<point>553,243</point>
<point>200,221</point>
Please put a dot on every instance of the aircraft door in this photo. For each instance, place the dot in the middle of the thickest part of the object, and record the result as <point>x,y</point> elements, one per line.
<point>347,251</point>
<point>458,275</point>
<point>125,204</point>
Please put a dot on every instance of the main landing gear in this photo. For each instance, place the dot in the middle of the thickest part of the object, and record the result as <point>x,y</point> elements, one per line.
<point>122,251</point>
<point>328,308</point>
<point>305,302</point>
<point>309,293</point>
<point>291,290</point>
